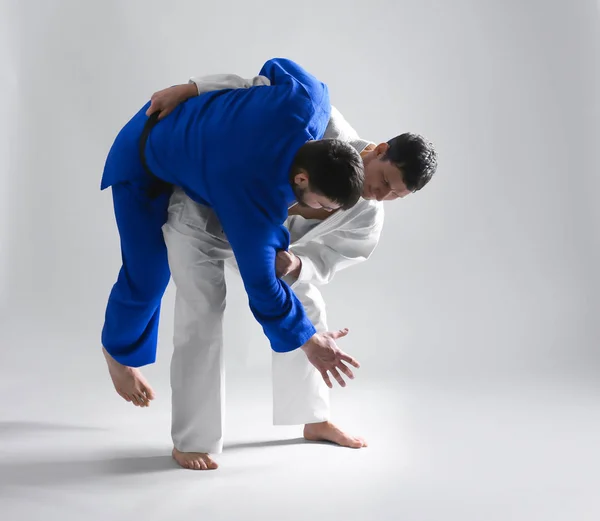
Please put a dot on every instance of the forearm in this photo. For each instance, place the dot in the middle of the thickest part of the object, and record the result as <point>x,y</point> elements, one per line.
<point>167,99</point>
<point>213,82</point>
<point>186,91</point>
<point>189,89</point>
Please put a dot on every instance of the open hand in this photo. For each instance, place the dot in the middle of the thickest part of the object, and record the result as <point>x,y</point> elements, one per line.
<point>323,352</point>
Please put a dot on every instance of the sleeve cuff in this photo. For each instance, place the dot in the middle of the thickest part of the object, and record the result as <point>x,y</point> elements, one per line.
<point>307,271</point>
<point>297,343</point>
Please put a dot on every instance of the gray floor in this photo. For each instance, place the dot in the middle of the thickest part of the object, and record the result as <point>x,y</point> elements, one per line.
<point>71,449</point>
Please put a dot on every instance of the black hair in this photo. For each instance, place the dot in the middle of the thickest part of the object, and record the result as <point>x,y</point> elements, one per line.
<point>415,157</point>
<point>335,170</point>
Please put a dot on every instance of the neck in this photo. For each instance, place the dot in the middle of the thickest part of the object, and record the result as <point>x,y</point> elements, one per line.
<point>365,156</point>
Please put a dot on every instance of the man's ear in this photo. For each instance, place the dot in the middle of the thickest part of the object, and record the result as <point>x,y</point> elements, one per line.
<point>381,149</point>
<point>301,179</point>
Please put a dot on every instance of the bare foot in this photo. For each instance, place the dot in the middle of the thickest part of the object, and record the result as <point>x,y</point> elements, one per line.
<point>326,431</point>
<point>129,382</point>
<point>194,460</point>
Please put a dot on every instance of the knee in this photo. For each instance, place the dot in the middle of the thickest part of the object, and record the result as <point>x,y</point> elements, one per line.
<point>143,285</point>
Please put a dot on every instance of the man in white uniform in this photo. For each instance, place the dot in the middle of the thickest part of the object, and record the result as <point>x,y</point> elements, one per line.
<point>322,243</point>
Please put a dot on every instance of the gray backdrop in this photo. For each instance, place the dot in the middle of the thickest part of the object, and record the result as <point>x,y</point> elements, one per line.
<point>490,273</point>
<point>492,268</point>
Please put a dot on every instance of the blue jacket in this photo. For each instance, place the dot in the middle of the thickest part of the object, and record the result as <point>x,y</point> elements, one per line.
<point>232,150</point>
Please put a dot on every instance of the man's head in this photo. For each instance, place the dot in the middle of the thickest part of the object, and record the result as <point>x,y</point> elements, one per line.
<point>327,174</point>
<point>399,167</point>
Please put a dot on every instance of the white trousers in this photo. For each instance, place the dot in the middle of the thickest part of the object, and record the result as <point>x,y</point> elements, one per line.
<point>198,251</point>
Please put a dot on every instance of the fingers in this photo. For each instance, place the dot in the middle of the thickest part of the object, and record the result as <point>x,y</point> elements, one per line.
<point>282,263</point>
<point>340,333</point>
<point>338,377</point>
<point>160,105</point>
<point>328,358</point>
<point>164,113</point>
<point>280,269</point>
<point>152,108</point>
<point>335,373</point>
<point>349,359</point>
<point>346,370</point>
<point>326,379</point>
<point>283,257</point>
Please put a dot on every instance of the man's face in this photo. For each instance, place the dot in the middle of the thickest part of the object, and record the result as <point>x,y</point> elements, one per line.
<point>309,199</point>
<point>383,180</point>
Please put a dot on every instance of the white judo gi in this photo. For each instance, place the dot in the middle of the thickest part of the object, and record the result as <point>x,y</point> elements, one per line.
<point>198,252</point>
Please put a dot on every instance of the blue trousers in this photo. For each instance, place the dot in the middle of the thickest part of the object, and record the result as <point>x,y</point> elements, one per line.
<point>130,331</point>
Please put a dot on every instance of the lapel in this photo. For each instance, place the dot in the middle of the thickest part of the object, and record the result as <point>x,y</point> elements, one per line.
<point>332,222</point>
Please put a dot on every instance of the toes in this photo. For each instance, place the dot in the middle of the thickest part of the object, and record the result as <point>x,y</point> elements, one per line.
<point>149,393</point>
<point>186,464</point>
<point>144,395</point>
<point>352,442</point>
<point>194,461</point>
<point>197,464</point>
<point>143,400</point>
<point>358,443</point>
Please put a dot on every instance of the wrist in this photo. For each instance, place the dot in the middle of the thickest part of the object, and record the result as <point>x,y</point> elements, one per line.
<point>189,90</point>
<point>305,347</point>
<point>297,267</point>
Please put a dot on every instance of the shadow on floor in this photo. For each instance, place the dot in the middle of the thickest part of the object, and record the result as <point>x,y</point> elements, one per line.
<point>18,428</point>
<point>38,472</point>
<point>42,473</point>
<point>273,443</point>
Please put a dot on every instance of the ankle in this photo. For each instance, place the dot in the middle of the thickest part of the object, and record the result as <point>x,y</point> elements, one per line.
<point>315,425</point>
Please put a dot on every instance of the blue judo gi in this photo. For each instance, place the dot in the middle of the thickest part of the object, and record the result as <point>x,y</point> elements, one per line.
<point>231,150</point>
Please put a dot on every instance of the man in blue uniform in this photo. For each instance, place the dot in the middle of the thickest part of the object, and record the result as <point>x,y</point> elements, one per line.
<point>249,154</point>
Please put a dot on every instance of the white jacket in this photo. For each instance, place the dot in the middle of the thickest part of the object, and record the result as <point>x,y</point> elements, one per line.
<point>344,239</point>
